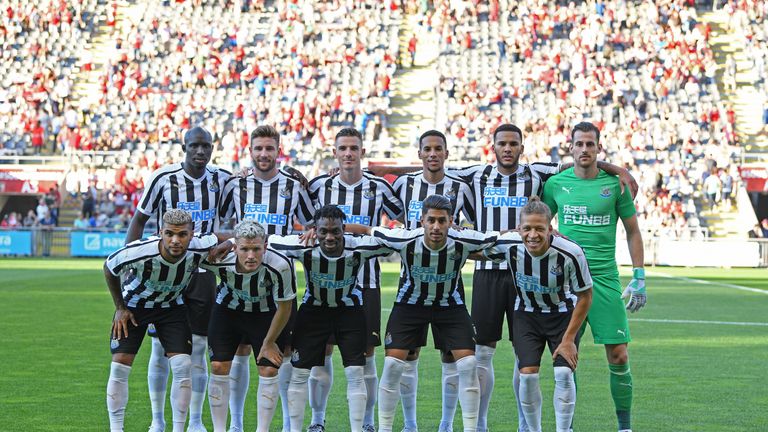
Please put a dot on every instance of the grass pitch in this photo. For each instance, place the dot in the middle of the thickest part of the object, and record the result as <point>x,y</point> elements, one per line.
<point>698,357</point>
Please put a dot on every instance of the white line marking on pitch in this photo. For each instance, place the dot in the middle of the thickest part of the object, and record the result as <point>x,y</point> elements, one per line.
<point>737,323</point>
<point>706,282</point>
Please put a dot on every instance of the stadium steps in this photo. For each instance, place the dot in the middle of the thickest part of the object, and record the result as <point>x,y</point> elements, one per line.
<point>721,223</point>
<point>748,108</point>
<point>69,210</point>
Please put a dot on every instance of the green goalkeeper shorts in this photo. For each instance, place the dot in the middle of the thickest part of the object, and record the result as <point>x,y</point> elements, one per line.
<point>607,317</point>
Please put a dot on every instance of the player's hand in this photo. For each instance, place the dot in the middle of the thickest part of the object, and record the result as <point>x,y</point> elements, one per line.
<point>221,250</point>
<point>626,179</point>
<point>567,350</point>
<point>334,171</point>
<point>120,323</point>
<point>635,291</point>
<point>308,237</point>
<point>271,352</point>
<point>296,174</point>
<point>244,172</point>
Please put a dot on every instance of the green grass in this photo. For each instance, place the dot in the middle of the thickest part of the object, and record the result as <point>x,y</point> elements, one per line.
<point>55,318</point>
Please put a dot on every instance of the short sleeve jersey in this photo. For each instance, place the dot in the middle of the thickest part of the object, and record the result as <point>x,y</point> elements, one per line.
<point>413,189</point>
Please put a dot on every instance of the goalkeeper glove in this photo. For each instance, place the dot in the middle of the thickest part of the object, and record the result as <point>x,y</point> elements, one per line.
<point>635,290</point>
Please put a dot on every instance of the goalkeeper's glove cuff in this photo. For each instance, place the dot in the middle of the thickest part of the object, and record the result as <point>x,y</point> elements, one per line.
<point>638,273</point>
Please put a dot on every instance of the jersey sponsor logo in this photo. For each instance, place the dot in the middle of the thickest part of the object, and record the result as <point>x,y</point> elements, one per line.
<point>533,284</point>
<point>414,210</point>
<point>499,197</point>
<point>161,287</point>
<point>328,281</point>
<point>195,209</point>
<point>556,270</point>
<point>578,215</point>
<point>430,275</point>
<point>606,192</point>
<point>353,218</point>
<point>369,194</point>
<point>260,213</point>
<point>247,297</point>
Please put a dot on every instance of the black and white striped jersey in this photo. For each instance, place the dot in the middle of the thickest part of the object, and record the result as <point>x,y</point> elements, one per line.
<point>258,291</point>
<point>545,283</point>
<point>363,204</point>
<point>171,187</point>
<point>499,198</point>
<point>431,277</point>
<point>331,281</point>
<point>272,203</point>
<point>151,281</point>
<point>413,189</point>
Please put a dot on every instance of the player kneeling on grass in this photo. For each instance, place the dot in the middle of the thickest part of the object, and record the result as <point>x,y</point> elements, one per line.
<point>155,271</point>
<point>554,293</point>
<point>253,304</point>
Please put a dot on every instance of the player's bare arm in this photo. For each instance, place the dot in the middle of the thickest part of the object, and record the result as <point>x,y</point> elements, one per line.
<point>269,348</point>
<point>636,288</point>
<point>357,229</point>
<point>136,228</point>
<point>567,348</point>
<point>382,170</point>
<point>122,314</point>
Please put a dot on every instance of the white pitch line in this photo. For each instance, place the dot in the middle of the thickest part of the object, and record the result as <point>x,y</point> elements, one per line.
<point>736,323</point>
<point>706,282</point>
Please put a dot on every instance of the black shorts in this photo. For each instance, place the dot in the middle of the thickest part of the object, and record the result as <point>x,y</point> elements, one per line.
<point>229,328</point>
<point>533,330</point>
<point>314,324</point>
<point>285,336</point>
<point>372,308</point>
<point>406,328</point>
<point>170,324</point>
<point>493,295</point>
<point>199,296</point>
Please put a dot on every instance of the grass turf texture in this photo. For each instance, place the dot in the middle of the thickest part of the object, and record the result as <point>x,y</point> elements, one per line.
<point>55,317</point>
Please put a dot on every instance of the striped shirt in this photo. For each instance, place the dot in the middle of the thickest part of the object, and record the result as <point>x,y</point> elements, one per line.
<point>363,204</point>
<point>152,282</point>
<point>258,291</point>
<point>431,277</point>
<point>499,198</point>
<point>171,187</point>
<point>545,283</point>
<point>413,188</point>
<point>272,203</point>
<point>332,281</point>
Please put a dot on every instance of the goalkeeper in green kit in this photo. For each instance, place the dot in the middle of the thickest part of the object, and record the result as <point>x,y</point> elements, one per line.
<point>589,203</point>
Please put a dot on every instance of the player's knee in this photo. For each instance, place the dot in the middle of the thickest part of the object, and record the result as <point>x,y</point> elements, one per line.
<point>563,377</point>
<point>529,370</point>
<point>267,371</point>
<point>123,358</point>
<point>413,354</point>
<point>221,368</point>
<point>181,366</point>
<point>617,354</point>
<point>328,350</point>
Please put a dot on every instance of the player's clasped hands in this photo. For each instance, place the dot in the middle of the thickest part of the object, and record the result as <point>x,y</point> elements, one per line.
<point>120,323</point>
<point>635,291</point>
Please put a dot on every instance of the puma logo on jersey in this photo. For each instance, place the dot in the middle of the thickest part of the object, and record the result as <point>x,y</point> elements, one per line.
<point>621,332</point>
<point>567,189</point>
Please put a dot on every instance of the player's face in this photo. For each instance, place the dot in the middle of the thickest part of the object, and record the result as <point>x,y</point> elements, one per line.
<point>176,238</point>
<point>436,224</point>
<point>330,235</point>
<point>584,148</point>
<point>348,152</point>
<point>250,253</point>
<point>198,150</point>
<point>433,154</point>
<point>264,153</point>
<point>535,230</point>
<point>508,148</point>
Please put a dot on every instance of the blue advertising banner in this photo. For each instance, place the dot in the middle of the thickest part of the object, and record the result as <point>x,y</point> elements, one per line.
<point>97,244</point>
<point>15,242</point>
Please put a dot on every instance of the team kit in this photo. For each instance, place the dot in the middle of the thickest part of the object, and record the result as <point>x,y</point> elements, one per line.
<point>201,291</point>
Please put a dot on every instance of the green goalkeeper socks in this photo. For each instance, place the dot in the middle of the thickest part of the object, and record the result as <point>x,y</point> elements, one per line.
<point>621,391</point>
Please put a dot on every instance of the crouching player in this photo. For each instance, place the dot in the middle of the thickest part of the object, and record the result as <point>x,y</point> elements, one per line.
<point>253,304</point>
<point>554,293</point>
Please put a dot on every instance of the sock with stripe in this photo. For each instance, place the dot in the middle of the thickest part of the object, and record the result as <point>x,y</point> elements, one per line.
<point>199,379</point>
<point>621,391</point>
<point>320,384</point>
<point>117,395</point>
<point>239,380</point>
<point>371,388</point>
<point>409,385</point>
<point>157,379</point>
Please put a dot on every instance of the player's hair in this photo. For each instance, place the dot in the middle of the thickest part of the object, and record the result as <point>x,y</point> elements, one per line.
<point>348,132</point>
<point>266,131</point>
<point>436,202</point>
<point>507,127</point>
<point>249,229</point>
<point>536,206</point>
<point>586,127</point>
<point>177,217</point>
<point>330,211</point>
<point>197,130</point>
<point>430,133</point>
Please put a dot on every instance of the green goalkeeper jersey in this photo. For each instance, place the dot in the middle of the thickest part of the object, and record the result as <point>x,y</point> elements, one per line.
<point>587,213</point>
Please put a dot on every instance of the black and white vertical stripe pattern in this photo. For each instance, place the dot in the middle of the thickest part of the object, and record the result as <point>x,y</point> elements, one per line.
<point>363,203</point>
<point>151,281</point>
<point>259,291</point>
<point>499,198</point>
<point>332,281</point>
<point>272,203</point>
<point>413,189</point>
<point>431,277</point>
<point>546,283</point>
<point>170,187</point>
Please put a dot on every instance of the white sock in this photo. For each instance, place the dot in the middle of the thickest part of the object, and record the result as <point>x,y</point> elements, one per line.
<point>283,381</point>
<point>356,396</point>
<point>371,388</point>
<point>565,398</point>
<point>267,402</point>
<point>469,391</point>
<point>522,425</point>
<point>117,395</point>
<point>320,384</point>
<point>409,385</point>
<point>486,379</point>
<point>389,392</point>
<point>157,379</point>
<point>530,399</point>
<point>297,398</point>
<point>450,394</point>
<point>199,379</point>
<point>218,399</point>
<point>239,380</point>
<point>181,389</point>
